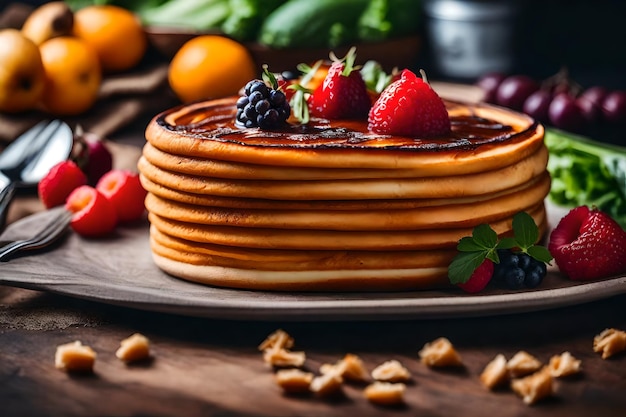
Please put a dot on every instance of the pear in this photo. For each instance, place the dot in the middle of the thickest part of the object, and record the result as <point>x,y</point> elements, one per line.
<point>49,21</point>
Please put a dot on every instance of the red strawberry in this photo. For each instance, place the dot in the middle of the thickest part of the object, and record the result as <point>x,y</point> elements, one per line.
<point>125,191</point>
<point>342,94</point>
<point>94,215</point>
<point>60,181</point>
<point>588,244</point>
<point>479,279</point>
<point>409,107</point>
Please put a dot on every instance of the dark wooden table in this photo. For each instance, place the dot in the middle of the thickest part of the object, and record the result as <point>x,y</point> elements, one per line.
<point>203,367</point>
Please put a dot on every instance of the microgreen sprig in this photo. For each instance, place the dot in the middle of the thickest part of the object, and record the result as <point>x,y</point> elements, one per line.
<point>484,244</point>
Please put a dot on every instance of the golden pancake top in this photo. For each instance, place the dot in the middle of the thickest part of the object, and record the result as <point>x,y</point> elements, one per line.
<point>479,133</point>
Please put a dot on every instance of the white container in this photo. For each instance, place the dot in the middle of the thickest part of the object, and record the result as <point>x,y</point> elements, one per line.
<point>469,38</point>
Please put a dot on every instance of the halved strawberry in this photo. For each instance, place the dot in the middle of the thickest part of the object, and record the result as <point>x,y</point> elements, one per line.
<point>588,244</point>
<point>342,94</point>
<point>94,215</point>
<point>124,190</point>
<point>409,107</point>
<point>480,278</point>
<point>60,181</point>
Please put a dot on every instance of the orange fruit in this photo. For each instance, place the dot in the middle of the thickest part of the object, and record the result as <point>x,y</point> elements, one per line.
<point>210,66</point>
<point>115,33</point>
<point>73,75</point>
<point>22,75</point>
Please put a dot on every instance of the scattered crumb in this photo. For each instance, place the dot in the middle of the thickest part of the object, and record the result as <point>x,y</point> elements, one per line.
<point>391,371</point>
<point>327,384</point>
<point>534,387</point>
<point>75,357</point>
<point>522,364</point>
<point>610,342</point>
<point>440,353</point>
<point>279,339</point>
<point>564,365</point>
<point>134,348</point>
<point>351,368</point>
<point>294,381</point>
<point>495,373</point>
<point>385,393</point>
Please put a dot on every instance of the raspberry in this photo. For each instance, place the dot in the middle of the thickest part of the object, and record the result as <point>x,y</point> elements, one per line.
<point>124,190</point>
<point>60,181</point>
<point>479,279</point>
<point>588,244</point>
<point>94,215</point>
<point>409,107</point>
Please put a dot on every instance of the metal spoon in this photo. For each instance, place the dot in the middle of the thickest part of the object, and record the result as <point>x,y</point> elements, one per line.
<point>29,158</point>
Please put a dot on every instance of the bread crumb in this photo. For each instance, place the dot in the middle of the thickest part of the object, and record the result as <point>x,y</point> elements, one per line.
<point>385,393</point>
<point>534,387</point>
<point>564,365</point>
<point>134,348</point>
<point>495,373</point>
<point>440,353</point>
<point>294,381</point>
<point>327,384</point>
<point>522,364</point>
<point>610,342</point>
<point>391,371</point>
<point>351,368</point>
<point>74,357</point>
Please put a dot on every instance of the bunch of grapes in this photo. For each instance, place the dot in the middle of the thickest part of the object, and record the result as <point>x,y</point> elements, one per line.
<point>556,101</point>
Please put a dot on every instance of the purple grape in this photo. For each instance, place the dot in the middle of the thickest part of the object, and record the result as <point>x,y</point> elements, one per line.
<point>614,107</point>
<point>591,112</point>
<point>565,114</point>
<point>514,90</point>
<point>537,105</point>
<point>595,95</point>
<point>489,83</point>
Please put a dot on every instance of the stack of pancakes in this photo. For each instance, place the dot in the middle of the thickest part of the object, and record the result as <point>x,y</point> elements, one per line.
<point>329,205</point>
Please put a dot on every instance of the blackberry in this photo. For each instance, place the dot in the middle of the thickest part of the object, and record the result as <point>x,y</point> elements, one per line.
<point>518,270</point>
<point>262,106</point>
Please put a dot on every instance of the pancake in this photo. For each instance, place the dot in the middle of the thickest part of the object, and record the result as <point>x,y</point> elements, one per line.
<point>330,205</point>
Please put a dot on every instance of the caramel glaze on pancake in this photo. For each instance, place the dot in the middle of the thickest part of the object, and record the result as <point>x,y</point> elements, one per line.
<point>476,144</point>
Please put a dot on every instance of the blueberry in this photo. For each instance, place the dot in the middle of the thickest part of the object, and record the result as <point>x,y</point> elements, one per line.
<point>277,98</point>
<point>533,278</point>
<point>262,106</point>
<point>242,102</point>
<point>514,278</point>
<point>255,97</point>
<point>524,261</point>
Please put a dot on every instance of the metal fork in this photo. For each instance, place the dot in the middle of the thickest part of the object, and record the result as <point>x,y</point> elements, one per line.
<point>46,236</point>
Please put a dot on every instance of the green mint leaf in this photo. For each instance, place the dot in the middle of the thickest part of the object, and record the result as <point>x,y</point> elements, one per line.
<point>463,266</point>
<point>468,244</point>
<point>507,243</point>
<point>525,230</point>
<point>269,78</point>
<point>485,236</point>
<point>540,253</point>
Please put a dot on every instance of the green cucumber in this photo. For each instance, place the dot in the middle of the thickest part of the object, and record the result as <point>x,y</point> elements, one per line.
<point>312,24</point>
<point>384,19</point>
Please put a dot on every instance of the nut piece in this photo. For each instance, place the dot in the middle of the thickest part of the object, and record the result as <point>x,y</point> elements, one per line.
<point>351,368</point>
<point>134,348</point>
<point>385,393</point>
<point>276,350</point>
<point>391,371</point>
<point>564,364</point>
<point>522,364</point>
<point>610,342</point>
<point>495,373</point>
<point>282,358</point>
<point>277,340</point>
<point>74,357</point>
<point>327,384</point>
<point>534,387</point>
<point>440,353</point>
<point>294,381</point>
